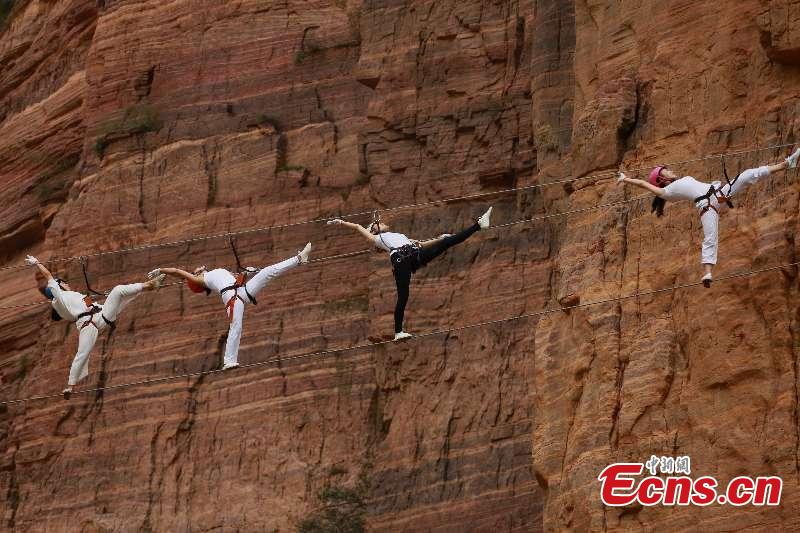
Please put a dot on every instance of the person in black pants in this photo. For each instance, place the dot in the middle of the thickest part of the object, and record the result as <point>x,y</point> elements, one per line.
<point>408,255</point>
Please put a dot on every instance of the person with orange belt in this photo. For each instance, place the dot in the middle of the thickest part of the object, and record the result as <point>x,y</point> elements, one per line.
<point>236,291</point>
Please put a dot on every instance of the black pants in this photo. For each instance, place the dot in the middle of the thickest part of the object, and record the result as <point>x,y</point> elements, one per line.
<point>404,265</point>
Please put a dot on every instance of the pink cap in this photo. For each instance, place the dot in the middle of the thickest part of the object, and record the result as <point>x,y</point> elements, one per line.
<point>655,174</point>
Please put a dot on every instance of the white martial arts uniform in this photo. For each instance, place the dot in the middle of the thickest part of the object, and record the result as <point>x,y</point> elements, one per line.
<point>70,304</point>
<point>219,278</point>
<point>688,188</point>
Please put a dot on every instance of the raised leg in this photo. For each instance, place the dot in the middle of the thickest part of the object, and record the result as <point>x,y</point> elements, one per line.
<point>267,274</point>
<point>119,298</point>
<point>432,251</point>
<point>745,179</point>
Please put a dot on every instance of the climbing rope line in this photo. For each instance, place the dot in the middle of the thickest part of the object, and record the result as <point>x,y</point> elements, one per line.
<point>600,176</point>
<point>335,351</point>
<point>365,251</point>
<point>505,225</point>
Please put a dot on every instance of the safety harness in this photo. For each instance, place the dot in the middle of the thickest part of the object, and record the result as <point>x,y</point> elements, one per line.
<point>240,282</point>
<point>717,193</point>
<point>94,309</point>
<point>398,255</point>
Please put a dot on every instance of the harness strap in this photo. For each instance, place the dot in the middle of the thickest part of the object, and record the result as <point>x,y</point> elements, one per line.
<point>112,324</point>
<point>404,253</point>
<point>93,310</point>
<point>706,208</point>
<point>235,288</point>
<point>715,193</point>
<point>730,183</point>
<point>250,296</point>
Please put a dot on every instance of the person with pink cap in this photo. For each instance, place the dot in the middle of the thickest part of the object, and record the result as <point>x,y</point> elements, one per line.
<point>707,197</point>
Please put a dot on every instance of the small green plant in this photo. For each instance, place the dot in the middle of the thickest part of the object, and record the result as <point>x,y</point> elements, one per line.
<point>363,179</point>
<point>341,510</point>
<point>23,367</point>
<point>289,168</point>
<point>47,190</point>
<point>5,9</point>
<point>268,120</point>
<point>136,120</point>
<point>64,164</point>
<point>337,470</point>
<point>50,184</point>
<point>100,145</point>
<point>305,53</point>
<point>345,192</point>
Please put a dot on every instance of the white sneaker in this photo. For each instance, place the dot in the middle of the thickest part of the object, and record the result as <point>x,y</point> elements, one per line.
<point>707,279</point>
<point>792,159</point>
<point>483,221</point>
<point>228,366</point>
<point>402,335</point>
<point>304,253</point>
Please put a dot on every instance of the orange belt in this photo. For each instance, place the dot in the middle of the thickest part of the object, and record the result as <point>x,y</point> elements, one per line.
<point>714,193</point>
<point>232,301</point>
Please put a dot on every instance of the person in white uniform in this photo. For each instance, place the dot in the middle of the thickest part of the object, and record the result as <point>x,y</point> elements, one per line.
<point>90,317</point>
<point>666,185</point>
<point>236,292</point>
<point>408,255</point>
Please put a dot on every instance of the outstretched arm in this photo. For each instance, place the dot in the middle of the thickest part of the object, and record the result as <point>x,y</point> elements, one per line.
<point>658,191</point>
<point>177,272</point>
<point>358,227</point>
<point>43,269</point>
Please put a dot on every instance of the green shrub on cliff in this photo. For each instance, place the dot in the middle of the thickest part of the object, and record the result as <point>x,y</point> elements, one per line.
<point>341,510</point>
<point>54,182</point>
<point>5,9</point>
<point>137,119</point>
<point>290,168</point>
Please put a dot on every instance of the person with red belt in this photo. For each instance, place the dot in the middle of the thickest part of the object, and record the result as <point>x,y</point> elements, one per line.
<point>236,292</point>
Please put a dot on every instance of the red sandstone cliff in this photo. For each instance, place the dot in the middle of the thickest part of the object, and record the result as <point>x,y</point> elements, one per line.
<point>132,122</point>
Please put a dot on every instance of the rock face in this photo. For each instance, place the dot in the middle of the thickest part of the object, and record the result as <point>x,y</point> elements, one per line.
<point>125,123</point>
